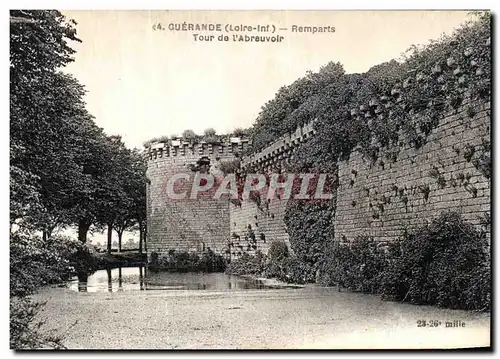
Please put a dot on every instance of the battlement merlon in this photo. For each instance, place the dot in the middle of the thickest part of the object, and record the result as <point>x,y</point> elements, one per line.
<point>181,147</point>
<point>282,146</point>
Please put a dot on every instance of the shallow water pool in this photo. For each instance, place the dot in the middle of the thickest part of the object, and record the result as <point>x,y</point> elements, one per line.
<point>140,278</point>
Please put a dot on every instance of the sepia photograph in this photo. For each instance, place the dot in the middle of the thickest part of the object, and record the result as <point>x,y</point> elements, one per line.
<point>250,179</point>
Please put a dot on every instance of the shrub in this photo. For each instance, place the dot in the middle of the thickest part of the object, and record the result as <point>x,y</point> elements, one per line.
<point>294,270</point>
<point>288,268</point>
<point>24,327</point>
<point>34,262</point>
<point>230,166</point>
<point>357,266</point>
<point>153,260</point>
<point>210,136</point>
<point>182,261</point>
<point>274,269</point>
<point>210,132</point>
<point>247,264</point>
<point>189,135</point>
<point>179,261</point>
<point>277,264</point>
<point>240,132</point>
<point>278,250</point>
<point>477,295</point>
<point>211,262</point>
<point>444,264</point>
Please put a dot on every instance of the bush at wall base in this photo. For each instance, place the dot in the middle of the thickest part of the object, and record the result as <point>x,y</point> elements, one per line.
<point>279,264</point>
<point>357,266</point>
<point>247,264</point>
<point>183,261</point>
<point>446,264</point>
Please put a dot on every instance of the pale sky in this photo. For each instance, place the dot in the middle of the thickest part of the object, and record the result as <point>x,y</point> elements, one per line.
<point>143,83</point>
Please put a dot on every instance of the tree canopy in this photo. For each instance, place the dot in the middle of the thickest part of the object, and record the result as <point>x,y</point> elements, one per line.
<point>65,170</point>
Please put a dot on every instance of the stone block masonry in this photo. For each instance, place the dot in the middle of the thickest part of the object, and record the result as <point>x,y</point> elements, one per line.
<point>254,227</point>
<point>402,188</point>
<point>380,199</point>
<point>227,228</point>
<point>187,225</point>
<point>384,198</point>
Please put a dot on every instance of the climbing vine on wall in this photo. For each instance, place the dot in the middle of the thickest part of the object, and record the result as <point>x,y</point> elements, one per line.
<point>392,105</point>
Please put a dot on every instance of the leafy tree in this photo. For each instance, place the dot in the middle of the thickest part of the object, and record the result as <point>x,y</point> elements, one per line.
<point>276,119</point>
<point>44,143</point>
<point>64,169</point>
<point>137,193</point>
<point>113,198</point>
<point>44,106</point>
<point>239,132</point>
<point>92,196</point>
<point>39,43</point>
<point>128,209</point>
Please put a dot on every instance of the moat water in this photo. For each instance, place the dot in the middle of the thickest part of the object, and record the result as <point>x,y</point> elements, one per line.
<point>140,278</point>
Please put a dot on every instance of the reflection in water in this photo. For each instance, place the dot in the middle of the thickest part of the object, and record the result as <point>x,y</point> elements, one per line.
<point>139,278</point>
<point>198,281</point>
<point>110,282</point>
<point>120,283</point>
<point>82,282</point>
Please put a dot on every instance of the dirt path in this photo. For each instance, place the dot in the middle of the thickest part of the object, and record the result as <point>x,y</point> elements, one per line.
<point>310,317</point>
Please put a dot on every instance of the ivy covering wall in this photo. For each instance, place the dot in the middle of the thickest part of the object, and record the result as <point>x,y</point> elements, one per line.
<point>393,105</point>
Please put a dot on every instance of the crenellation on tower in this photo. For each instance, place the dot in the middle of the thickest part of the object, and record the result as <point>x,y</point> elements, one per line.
<point>191,224</point>
<point>175,148</point>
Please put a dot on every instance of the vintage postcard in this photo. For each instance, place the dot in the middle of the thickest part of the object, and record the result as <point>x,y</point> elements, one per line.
<point>272,179</point>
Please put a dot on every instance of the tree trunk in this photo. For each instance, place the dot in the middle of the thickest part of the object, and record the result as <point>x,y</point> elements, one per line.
<point>145,237</point>
<point>141,234</point>
<point>49,231</point>
<point>83,228</point>
<point>110,237</point>
<point>120,233</point>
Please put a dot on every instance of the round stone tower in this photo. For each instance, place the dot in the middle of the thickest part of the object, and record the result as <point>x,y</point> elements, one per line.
<point>187,224</point>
